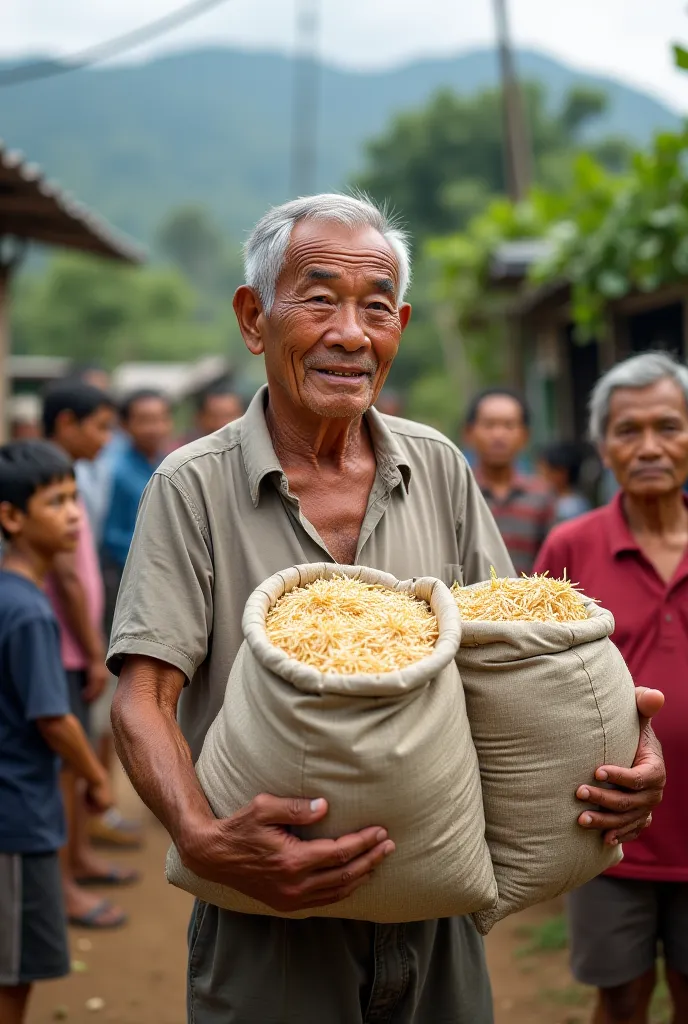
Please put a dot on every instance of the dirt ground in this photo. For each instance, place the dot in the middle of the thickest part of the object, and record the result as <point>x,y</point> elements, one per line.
<point>137,974</point>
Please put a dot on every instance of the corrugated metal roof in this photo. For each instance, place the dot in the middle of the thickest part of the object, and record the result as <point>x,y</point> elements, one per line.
<point>34,208</point>
<point>177,380</point>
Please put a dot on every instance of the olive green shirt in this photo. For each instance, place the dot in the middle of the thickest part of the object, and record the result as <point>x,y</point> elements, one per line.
<point>218,518</point>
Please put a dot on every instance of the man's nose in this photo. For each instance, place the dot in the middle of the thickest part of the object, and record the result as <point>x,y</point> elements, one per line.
<point>650,446</point>
<point>347,330</point>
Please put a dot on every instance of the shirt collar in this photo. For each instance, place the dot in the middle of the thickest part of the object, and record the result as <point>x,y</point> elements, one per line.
<point>519,485</point>
<point>620,537</point>
<point>619,532</point>
<point>261,461</point>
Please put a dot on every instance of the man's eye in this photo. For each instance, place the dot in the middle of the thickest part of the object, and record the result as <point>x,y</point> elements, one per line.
<point>319,298</point>
<point>379,307</point>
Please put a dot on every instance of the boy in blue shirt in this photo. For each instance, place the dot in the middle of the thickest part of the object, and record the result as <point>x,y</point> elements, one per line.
<point>39,518</point>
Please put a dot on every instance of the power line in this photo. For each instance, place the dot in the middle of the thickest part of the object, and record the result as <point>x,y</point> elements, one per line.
<point>109,48</point>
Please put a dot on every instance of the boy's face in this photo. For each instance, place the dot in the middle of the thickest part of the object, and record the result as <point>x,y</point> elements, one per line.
<point>84,439</point>
<point>52,521</point>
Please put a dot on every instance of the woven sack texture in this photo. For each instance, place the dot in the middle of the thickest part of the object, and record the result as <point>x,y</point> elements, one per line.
<point>392,749</point>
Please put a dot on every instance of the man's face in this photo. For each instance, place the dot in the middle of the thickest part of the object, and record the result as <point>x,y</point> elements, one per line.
<point>84,439</point>
<point>335,325</point>
<point>52,521</point>
<point>499,434</point>
<point>218,411</point>
<point>646,440</point>
<point>149,425</point>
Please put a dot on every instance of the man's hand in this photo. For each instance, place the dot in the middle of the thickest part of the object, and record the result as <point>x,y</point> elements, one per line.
<point>99,796</point>
<point>96,679</point>
<point>255,853</point>
<point>628,809</point>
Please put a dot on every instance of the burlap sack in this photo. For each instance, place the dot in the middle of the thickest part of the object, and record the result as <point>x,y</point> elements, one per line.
<point>548,703</point>
<point>392,749</point>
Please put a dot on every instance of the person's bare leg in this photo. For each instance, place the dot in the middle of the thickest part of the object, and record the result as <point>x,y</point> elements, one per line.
<point>78,902</point>
<point>13,1002</point>
<point>678,986</point>
<point>625,1004</point>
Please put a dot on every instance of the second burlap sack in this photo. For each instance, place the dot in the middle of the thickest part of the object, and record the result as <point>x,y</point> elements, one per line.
<point>548,703</point>
<point>392,749</point>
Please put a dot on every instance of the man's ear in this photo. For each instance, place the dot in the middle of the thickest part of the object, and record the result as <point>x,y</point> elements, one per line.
<point>405,314</point>
<point>64,418</point>
<point>251,318</point>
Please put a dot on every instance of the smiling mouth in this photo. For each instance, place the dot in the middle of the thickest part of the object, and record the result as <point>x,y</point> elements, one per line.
<point>341,373</point>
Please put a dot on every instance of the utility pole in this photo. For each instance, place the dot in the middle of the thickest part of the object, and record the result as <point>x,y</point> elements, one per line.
<point>516,147</point>
<point>305,99</point>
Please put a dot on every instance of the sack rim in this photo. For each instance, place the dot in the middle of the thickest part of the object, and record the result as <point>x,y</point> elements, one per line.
<point>382,684</point>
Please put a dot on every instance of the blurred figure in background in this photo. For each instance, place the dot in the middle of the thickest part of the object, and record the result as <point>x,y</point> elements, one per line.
<point>94,479</point>
<point>24,414</point>
<point>497,430</point>
<point>390,403</point>
<point>559,466</point>
<point>632,556</point>
<point>146,430</point>
<point>78,419</point>
<point>146,419</point>
<point>216,406</point>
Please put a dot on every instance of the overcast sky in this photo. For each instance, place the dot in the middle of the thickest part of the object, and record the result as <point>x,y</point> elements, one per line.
<point>628,39</point>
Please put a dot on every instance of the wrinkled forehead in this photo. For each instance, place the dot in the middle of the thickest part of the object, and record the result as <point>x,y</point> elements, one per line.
<point>348,252</point>
<point>663,397</point>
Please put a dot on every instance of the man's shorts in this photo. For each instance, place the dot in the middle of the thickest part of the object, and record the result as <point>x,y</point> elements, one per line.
<point>76,684</point>
<point>33,929</point>
<point>619,926</point>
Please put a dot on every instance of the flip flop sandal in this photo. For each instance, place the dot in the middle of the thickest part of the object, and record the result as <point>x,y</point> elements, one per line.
<point>93,918</point>
<point>113,877</point>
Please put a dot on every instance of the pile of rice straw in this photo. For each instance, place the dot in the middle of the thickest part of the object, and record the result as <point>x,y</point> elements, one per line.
<point>528,599</point>
<point>342,625</point>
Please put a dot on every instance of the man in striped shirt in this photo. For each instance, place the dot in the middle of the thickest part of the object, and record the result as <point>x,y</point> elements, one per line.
<point>497,431</point>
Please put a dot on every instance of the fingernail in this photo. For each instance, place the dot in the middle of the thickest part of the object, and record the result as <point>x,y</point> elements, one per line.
<point>586,820</point>
<point>389,848</point>
<point>317,805</point>
<point>584,793</point>
<point>381,836</point>
<point>615,842</point>
<point>601,774</point>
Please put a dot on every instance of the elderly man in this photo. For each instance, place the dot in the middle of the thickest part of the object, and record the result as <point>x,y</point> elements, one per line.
<point>632,555</point>
<point>311,472</point>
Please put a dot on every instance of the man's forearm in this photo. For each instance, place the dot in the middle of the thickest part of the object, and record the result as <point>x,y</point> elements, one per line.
<point>67,738</point>
<point>152,749</point>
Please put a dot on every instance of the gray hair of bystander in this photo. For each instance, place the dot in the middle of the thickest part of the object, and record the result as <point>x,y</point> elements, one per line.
<point>636,372</point>
<point>266,246</point>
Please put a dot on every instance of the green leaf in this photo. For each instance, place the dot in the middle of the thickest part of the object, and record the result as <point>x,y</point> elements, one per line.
<point>680,57</point>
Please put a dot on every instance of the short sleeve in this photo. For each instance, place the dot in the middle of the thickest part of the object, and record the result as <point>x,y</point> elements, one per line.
<point>165,603</point>
<point>36,669</point>
<point>480,543</point>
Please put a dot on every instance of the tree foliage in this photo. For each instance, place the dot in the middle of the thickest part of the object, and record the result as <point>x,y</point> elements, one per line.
<point>623,234</point>
<point>441,164</point>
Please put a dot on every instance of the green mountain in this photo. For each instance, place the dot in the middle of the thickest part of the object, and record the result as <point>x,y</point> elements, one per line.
<point>213,126</point>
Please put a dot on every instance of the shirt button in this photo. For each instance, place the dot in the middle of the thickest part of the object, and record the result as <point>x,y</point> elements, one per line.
<point>667,617</point>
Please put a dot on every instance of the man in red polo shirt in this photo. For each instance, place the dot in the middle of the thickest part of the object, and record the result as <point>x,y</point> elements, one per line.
<point>632,556</point>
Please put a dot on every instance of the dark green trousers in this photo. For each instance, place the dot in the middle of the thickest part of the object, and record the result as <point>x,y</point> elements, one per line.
<point>266,970</point>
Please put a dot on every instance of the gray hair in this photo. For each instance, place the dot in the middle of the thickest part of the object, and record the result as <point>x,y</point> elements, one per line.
<point>636,372</point>
<point>266,247</point>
